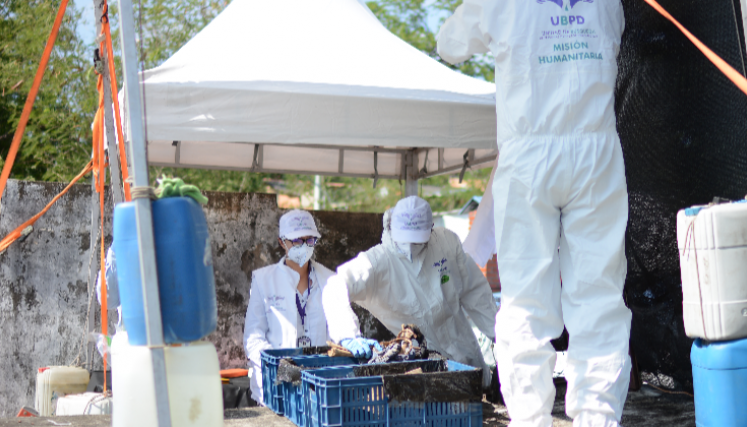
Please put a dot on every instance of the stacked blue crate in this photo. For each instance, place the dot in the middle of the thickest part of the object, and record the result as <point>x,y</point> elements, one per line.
<point>273,393</point>
<point>336,398</point>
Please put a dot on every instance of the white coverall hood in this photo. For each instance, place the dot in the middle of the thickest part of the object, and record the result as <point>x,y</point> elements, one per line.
<point>560,158</point>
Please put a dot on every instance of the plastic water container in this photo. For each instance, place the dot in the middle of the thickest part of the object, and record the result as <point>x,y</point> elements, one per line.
<point>89,403</point>
<point>185,270</point>
<point>193,381</point>
<point>720,383</point>
<point>712,243</point>
<point>57,381</point>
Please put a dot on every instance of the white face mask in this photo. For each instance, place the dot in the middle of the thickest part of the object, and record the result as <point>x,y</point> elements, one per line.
<point>300,254</point>
<point>410,250</point>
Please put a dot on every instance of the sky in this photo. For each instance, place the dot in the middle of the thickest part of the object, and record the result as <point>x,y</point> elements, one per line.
<point>86,26</point>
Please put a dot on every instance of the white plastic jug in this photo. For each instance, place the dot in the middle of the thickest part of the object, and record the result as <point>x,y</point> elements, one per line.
<point>193,377</point>
<point>88,403</point>
<point>712,242</point>
<point>57,381</point>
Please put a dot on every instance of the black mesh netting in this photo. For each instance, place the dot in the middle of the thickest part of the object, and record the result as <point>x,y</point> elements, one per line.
<point>682,125</point>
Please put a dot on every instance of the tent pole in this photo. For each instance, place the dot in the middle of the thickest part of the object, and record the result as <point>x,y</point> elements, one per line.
<point>411,174</point>
<point>116,180</point>
<point>317,192</point>
<point>143,213</point>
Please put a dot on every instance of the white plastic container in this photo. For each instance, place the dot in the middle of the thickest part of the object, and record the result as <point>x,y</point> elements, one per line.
<point>712,245</point>
<point>56,381</point>
<point>89,403</point>
<point>193,377</point>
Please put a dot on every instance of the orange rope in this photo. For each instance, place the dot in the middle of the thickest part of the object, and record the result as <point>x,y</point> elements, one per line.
<point>31,98</point>
<point>15,234</point>
<point>99,171</point>
<point>115,100</point>
<point>725,68</point>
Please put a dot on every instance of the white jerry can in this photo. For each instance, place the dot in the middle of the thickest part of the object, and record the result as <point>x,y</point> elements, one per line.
<point>54,382</point>
<point>193,381</point>
<point>712,242</point>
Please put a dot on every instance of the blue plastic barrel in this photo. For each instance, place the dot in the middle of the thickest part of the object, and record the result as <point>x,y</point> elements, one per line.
<point>720,382</point>
<point>184,261</point>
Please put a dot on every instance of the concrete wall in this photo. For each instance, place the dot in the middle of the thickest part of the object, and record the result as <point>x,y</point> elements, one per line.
<point>44,278</point>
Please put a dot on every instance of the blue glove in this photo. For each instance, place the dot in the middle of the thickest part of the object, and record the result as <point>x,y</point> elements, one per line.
<point>360,347</point>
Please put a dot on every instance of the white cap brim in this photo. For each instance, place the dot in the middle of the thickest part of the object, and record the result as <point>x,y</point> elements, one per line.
<point>301,233</point>
<point>411,236</point>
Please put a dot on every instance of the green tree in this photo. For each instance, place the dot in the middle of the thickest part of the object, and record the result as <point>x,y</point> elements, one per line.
<point>57,141</point>
<point>58,137</point>
<point>408,19</point>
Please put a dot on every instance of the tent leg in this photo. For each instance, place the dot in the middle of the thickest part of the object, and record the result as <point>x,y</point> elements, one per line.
<point>411,187</point>
<point>143,213</point>
<point>411,173</point>
<point>111,139</point>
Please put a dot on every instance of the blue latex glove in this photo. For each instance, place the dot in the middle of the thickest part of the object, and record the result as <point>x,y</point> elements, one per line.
<point>360,347</point>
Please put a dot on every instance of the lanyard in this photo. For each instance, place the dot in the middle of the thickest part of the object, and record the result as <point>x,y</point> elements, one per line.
<point>302,308</point>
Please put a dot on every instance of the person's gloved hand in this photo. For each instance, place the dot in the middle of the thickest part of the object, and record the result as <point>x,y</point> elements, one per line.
<point>360,347</point>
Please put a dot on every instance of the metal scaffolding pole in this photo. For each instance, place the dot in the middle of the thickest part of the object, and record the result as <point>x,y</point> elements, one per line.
<point>143,214</point>
<point>116,181</point>
<point>411,173</point>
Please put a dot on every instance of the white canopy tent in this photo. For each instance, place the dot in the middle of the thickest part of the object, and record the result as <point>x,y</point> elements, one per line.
<point>314,87</point>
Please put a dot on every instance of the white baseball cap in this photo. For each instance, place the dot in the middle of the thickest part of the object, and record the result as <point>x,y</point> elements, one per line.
<point>297,223</point>
<point>412,220</point>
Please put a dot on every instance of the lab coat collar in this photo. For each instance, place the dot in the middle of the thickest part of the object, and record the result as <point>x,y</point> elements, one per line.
<point>294,276</point>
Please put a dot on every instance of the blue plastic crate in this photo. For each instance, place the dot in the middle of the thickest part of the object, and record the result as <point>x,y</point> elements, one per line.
<point>293,400</point>
<point>270,359</point>
<point>335,398</point>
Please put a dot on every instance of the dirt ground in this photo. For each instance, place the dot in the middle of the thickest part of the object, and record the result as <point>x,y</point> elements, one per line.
<point>645,408</point>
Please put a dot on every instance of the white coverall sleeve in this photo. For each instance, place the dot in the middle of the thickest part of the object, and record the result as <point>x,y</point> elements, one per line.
<point>112,285</point>
<point>462,35</point>
<point>255,325</point>
<point>476,297</point>
<point>348,284</point>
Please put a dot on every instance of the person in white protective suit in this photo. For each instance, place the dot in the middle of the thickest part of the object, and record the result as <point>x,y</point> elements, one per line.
<point>285,300</point>
<point>561,203</point>
<point>417,275</point>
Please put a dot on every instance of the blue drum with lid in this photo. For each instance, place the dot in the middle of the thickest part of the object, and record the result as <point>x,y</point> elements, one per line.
<point>184,261</point>
<point>720,382</point>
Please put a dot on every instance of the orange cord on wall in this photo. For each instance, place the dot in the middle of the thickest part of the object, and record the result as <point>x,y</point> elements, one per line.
<point>15,234</point>
<point>730,73</point>
<point>11,158</point>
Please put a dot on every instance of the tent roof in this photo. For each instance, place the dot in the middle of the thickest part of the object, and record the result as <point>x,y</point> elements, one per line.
<point>312,87</point>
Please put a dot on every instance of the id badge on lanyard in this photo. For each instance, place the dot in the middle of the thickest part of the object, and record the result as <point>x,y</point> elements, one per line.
<point>303,341</point>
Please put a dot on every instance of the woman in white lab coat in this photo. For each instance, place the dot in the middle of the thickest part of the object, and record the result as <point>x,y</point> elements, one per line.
<point>285,301</point>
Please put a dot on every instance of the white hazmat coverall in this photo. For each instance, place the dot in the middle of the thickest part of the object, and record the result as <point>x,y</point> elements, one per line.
<point>560,200</point>
<point>432,292</point>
